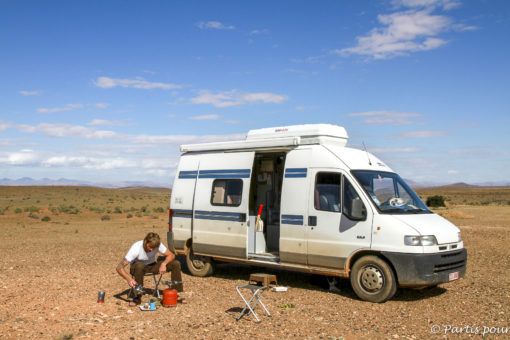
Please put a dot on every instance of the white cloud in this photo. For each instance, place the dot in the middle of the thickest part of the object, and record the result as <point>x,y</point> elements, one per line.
<point>422,134</point>
<point>463,28</point>
<point>234,98</point>
<point>303,108</point>
<point>61,130</point>
<point>386,117</point>
<point>231,121</point>
<point>90,162</point>
<point>214,25</point>
<point>24,157</point>
<point>68,107</point>
<point>452,172</point>
<point>205,117</point>
<point>258,32</point>
<point>67,130</point>
<point>102,105</point>
<point>175,140</point>
<point>105,122</point>
<point>30,93</point>
<point>159,173</point>
<point>4,125</point>
<point>406,31</point>
<point>138,83</point>
<point>445,4</point>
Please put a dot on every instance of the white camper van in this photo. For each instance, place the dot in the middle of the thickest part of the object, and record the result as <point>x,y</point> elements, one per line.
<point>297,198</point>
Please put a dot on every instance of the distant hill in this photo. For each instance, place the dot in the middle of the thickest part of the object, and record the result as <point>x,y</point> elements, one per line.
<point>460,185</point>
<point>27,181</point>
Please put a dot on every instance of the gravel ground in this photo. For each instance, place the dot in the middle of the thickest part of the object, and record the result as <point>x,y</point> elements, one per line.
<point>51,272</point>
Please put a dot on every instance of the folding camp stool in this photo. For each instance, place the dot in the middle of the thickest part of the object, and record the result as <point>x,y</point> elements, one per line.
<point>156,283</point>
<point>257,292</point>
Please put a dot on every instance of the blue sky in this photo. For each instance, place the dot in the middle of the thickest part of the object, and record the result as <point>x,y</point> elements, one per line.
<point>108,90</point>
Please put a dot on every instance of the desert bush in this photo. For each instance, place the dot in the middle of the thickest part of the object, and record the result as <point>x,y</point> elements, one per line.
<point>436,201</point>
<point>18,211</point>
<point>117,210</point>
<point>46,219</point>
<point>144,208</point>
<point>32,215</point>
<point>105,218</point>
<point>32,209</point>
<point>68,209</point>
<point>129,215</point>
<point>138,214</point>
<point>158,210</point>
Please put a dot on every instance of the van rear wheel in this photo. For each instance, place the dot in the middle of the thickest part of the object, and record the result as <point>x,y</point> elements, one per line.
<point>199,265</point>
<point>373,279</point>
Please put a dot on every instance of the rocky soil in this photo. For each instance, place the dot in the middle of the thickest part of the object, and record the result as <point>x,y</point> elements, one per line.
<point>51,272</point>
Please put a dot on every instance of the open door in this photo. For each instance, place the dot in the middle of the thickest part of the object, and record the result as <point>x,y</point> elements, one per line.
<point>220,214</point>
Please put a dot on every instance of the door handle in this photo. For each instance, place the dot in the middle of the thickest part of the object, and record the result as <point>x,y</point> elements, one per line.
<point>312,221</point>
<point>242,217</point>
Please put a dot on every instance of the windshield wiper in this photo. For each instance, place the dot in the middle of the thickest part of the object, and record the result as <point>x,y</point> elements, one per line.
<point>418,210</point>
<point>393,210</point>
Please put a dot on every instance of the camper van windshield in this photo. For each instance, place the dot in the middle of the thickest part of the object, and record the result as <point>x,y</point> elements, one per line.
<point>390,193</point>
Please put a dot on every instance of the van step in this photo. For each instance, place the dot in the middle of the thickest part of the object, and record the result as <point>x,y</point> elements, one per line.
<point>266,257</point>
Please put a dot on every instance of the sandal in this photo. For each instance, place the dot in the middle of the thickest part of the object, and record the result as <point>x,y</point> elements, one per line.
<point>135,302</point>
<point>182,300</point>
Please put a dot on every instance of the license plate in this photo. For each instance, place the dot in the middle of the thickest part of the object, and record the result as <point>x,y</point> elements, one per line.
<point>454,276</point>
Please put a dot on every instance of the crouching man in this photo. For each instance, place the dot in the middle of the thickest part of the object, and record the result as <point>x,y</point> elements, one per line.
<point>142,257</point>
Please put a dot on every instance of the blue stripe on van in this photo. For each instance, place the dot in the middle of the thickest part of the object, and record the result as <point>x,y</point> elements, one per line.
<point>295,172</point>
<point>217,215</point>
<point>292,219</point>
<point>188,174</point>
<point>232,173</point>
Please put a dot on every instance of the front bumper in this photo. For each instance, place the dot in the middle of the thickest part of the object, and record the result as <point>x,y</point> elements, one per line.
<point>427,269</point>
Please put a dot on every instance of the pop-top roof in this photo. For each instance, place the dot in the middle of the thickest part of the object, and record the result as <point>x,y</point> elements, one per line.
<point>279,137</point>
<point>306,130</point>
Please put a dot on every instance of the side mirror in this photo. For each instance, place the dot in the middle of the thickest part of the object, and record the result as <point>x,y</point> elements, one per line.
<point>357,209</point>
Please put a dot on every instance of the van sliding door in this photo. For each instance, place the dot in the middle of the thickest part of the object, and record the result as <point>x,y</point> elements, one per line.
<point>182,197</point>
<point>221,205</point>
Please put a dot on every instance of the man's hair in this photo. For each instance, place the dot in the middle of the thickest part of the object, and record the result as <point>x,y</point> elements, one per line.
<point>153,240</point>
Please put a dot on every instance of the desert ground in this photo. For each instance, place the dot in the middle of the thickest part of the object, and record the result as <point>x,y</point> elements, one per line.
<point>60,246</point>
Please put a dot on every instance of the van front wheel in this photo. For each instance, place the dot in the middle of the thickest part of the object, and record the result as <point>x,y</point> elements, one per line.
<point>199,265</point>
<point>373,279</point>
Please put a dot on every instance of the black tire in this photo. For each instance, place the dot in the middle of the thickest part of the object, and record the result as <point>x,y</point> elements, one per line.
<point>199,265</point>
<point>372,279</point>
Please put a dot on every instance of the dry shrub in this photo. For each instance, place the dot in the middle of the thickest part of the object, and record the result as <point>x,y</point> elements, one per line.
<point>458,214</point>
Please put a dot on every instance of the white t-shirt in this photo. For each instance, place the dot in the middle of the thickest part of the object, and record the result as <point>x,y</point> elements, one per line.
<point>137,254</point>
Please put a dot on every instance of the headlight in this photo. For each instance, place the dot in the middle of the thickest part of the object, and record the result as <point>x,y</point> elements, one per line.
<point>426,240</point>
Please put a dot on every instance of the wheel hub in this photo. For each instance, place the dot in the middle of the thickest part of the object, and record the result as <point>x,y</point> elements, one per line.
<point>371,278</point>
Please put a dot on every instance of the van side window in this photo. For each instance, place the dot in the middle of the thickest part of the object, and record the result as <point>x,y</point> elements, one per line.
<point>227,192</point>
<point>353,206</point>
<point>327,191</point>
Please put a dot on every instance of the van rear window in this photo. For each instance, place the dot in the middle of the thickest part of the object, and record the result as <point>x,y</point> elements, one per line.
<point>227,192</point>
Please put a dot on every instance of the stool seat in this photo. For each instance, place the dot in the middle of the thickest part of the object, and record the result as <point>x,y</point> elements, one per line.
<point>264,279</point>
<point>256,297</point>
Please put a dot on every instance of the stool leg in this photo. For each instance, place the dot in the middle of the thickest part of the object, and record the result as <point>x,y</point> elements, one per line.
<point>156,283</point>
<point>247,303</point>
<point>259,297</point>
